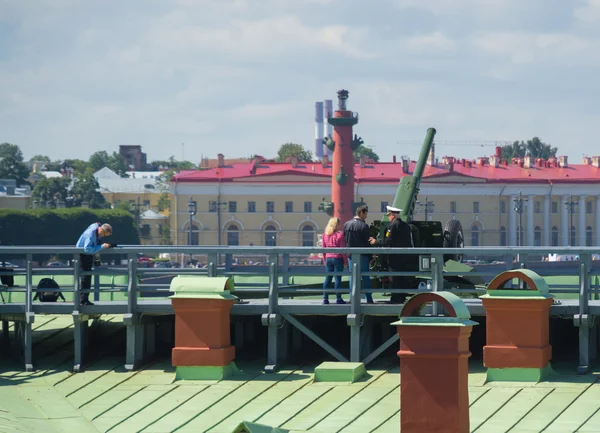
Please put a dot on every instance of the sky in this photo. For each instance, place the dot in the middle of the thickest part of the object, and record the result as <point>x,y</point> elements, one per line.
<point>194,78</point>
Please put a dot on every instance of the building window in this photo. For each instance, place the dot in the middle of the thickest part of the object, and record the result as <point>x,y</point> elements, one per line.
<point>251,206</point>
<point>308,236</point>
<point>233,235</point>
<point>589,236</point>
<point>452,207</point>
<point>233,206</point>
<point>212,206</point>
<point>308,206</point>
<point>502,207</point>
<point>588,207</point>
<point>537,206</point>
<point>475,207</point>
<point>270,206</point>
<point>384,205</point>
<point>554,236</point>
<point>502,236</point>
<point>270,236</point>
<point>537,236</point>
<point>289,206</point>
<point>554,207</point>
<point>146,202</point>
<point>474,236</point>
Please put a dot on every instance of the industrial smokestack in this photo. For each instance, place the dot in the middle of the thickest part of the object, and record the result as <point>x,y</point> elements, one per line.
<point>431,156</point>
<point>319,129</point>
<point>328,112</point>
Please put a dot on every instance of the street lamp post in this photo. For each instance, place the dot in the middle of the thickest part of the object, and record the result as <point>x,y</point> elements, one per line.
<point>519,208</point>
<point>571,207</point>
<point>192,211</point>
<point>427,207</point>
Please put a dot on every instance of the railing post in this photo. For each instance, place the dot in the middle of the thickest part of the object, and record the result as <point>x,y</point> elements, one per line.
<point>134,353</point>
<point>273,319</point>
<point>96,288</point>
<point>212,265</point>
<point>29,318</point>
<point>354,319</point>
<point>285,278</point>
<point>583,319</point>
<point>437,279</point>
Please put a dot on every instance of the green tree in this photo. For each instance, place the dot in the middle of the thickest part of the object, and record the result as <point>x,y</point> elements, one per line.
<point>172,165</point>
<point>12,165</point>
<point>78,166</point>
<point>86,189</point>
<point>115,162</point>
<point>292,149</point>
<point>365,151</point>
<point>534,147</point>
<point>164,202</point>
<point>52,189</point>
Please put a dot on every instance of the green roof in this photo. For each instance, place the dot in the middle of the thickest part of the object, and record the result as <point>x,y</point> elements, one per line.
<point>106,398</point>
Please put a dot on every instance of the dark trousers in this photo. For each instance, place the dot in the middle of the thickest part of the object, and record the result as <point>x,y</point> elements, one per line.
<point>400,283</point>
<point>86,261</point>
<point>366,280</point>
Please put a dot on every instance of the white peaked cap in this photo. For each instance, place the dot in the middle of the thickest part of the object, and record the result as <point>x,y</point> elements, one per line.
<point>393,209</point>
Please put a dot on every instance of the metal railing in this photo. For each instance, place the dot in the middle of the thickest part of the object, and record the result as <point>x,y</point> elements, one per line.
<point>132,288</point>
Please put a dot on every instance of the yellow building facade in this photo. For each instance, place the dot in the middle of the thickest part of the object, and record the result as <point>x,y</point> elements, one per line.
<point>491,200</point>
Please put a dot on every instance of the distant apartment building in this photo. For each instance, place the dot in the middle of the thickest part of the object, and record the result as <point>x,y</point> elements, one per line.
<point>526,201</point>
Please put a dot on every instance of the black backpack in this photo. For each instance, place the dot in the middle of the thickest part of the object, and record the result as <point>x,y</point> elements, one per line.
<point>47,296</point>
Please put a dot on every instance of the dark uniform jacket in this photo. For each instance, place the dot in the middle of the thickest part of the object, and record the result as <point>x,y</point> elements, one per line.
<point>356,233</point>
<point>398,235</point>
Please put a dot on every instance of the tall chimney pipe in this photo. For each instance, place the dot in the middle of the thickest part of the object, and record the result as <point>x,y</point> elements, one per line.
<point>319,126</point>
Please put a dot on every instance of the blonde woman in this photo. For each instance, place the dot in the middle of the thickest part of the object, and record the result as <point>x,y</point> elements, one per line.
<point>334,262</point>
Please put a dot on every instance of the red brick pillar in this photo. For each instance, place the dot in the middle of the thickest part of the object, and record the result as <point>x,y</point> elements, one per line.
<point>434,371</point>
<point>202,307</point>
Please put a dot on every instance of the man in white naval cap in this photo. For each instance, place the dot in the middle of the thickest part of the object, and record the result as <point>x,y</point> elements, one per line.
<point>398,235</point>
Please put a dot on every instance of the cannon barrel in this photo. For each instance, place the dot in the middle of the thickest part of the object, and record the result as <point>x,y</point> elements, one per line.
<point>408,189</point>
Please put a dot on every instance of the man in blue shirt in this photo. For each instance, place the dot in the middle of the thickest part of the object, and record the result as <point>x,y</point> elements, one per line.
<point>91,242</point>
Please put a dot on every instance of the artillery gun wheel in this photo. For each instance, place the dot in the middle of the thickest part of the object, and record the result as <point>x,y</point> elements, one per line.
<point>453,238</point>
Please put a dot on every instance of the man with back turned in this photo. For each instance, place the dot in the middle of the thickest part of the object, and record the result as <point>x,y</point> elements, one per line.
<point>91,240</point>
<point>357,235</point>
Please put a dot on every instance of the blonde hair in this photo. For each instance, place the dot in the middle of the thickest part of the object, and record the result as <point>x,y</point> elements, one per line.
<point>331,225</point>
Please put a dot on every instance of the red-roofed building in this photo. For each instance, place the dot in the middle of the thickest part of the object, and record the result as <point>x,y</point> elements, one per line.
<point>277,203</point>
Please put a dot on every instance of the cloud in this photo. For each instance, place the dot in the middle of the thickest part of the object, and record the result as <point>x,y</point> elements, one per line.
<point>588,13</point>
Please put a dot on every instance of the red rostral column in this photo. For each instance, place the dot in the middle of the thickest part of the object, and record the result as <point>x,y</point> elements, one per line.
<point>342,146</point>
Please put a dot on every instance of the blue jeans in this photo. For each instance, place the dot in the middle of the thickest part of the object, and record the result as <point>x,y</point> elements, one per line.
<point>366,280</point>
<point>333,265</point>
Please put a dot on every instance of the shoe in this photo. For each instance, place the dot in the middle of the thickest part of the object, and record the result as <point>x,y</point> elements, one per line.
<point>325,301</point>
<point>86,303</point>
<point>340,301</point>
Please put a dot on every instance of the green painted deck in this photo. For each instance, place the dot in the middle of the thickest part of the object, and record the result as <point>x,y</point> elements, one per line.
<point>106,398</point>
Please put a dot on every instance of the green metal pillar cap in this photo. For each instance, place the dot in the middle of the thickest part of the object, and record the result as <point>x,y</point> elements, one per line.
<point>459,313</point>
<point>537,288</point>
<point>201,287</point>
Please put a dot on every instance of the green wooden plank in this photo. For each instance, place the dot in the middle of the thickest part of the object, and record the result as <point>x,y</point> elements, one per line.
<point>108,400</point>
<point>489,404</point>
<point>576,414</point>
<point>158,409</point>
<point>392,425</point>
<point>223,408</point>
<point>131,406</point>
<point>514,410</point>
<point>49,401</point>
<point>383,409</point>
<point>198,404</point>
<point>292,405</point>
<point>76,381</point>
<point>96,389</point>
<point>475,394</point>
<point>321,408</point>
<point>263,403</point>
<point>547,410</point>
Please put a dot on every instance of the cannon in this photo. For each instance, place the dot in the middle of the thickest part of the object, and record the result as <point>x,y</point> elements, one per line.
<point>426,234</point>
